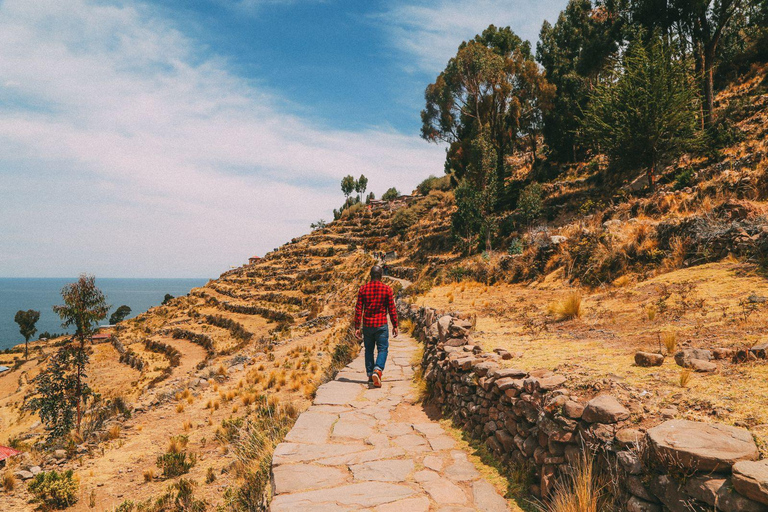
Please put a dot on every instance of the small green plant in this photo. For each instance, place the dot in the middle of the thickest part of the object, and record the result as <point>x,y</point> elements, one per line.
<point>684,179</point>
<point>55,490</point>
<point>531,203</point>
<point>210,476</point>
<point>515,246</point>
<point>176,464</point>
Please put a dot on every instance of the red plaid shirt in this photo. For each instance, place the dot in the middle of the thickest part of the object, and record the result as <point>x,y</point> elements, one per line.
<point>374,300</point>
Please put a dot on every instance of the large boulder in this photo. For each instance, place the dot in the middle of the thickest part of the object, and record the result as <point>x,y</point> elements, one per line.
<point>701,446</point>
<point>751,479</point>
<point>604,409</point>
<point>684,357</point>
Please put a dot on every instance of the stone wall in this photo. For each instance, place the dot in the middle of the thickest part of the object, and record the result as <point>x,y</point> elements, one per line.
<point>531,417</point>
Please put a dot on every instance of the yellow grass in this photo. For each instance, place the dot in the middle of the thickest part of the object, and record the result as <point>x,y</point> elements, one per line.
<point>685,377</point>
<point>113,432</point>
<point>579,492</point>
<point>9,480</point>
<point>149,475</point>
<point>669,341</point>
<point>568,308</point>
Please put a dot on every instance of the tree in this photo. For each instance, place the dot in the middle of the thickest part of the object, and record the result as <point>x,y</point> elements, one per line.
<point>390,195</point>
<point>168,298</point>
<point>643,114</point>
<point>484,89</point>
<point>348,185</point>
<point>58,391</point>
<point>84,306</point>
<point>27,320</point>
<point>360,185</point>
<point>371,197</point>
<point>120,314</point>
<point>573,52</point>
<point>530,203</point>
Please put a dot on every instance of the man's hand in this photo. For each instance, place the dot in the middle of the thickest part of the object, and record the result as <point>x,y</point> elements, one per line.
<point>395,332</point>
<point>358,334</point>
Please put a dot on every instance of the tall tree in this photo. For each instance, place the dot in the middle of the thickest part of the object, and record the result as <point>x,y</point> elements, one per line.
<point>27,320</point>
<point>573,52</point>
<point>84,307</point>
<point>361,185</point>
<point>484,89</point>
<point>643,113</point>
<point>120,314</point>
<point>347,185</point>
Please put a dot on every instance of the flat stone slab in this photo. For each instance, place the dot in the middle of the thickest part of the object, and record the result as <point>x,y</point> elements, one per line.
<point>383,470</point>
<point>701,446</point>
<point>299,477</point>
<point>364,494</point>
<point>337,393</point>
<point>751,479</point>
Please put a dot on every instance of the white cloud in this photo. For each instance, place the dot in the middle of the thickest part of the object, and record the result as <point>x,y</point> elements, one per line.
<point>431,30</point>
<point>126,152</point>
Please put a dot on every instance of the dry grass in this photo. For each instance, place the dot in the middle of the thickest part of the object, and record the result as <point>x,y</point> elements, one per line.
<point>149,475</point>
<point>113,432</point>
<point>177,443</point>
<point>9,480</point>
<point>187,426</point>
<point>669,341</point>
<point>580,491</point>
<point>568,308</point>
<point>179,408</point>
<point>685,377</point>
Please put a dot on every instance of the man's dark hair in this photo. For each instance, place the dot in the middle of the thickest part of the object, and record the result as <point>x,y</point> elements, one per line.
<point>376,273</point>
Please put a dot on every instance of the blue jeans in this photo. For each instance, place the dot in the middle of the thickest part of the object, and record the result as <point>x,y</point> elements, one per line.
<point>378,337</point>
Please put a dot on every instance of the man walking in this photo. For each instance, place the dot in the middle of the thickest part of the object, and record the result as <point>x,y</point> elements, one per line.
<point>374,301</point>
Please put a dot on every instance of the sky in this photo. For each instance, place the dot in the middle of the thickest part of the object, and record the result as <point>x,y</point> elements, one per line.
<point>176,138</point>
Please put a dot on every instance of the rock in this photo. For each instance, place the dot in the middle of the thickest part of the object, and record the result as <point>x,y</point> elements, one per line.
<point>60,454</point>
<point>751,479</point>
<point>515,373</point>
<point>604,409</point>
<point>702,366</point>
<point>723,353</point>
<point>683,358</point>
<point>629,462</point>
<point>629,436</point>
<point>482,368</point>
<point>648,359</point>
<point>760,350</point>
<point>669,493</point>
<point>393,470</point>
<point>557,239</point>
<point>550,383</point>
<point>443,323</point>
<point>486,498</point>
<point>573,409</point>
<point>35,469</point>
<point>456,342</point>
<point>24,475</point>
<point>636,487</point>
<point>668,412</point>
<point>635,504</point>
<point>716,490</point>
<point>701,446</point>
<point>298,477</point>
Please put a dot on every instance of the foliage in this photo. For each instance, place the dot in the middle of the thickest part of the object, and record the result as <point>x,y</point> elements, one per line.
<point>582,489</point>
<point>347,185</point>
<point>530,203</point>
<point>361,185</point>
<point>515,246</point>
<point>320,224</point>
<point>684,179</point>
<point>643,114</point>
<point>434,183</point>
<point>84,306</point>
<point>573,52</point>
<point>120,314</point>
<point>55,490</point>
<point>179,497</point>
<point>403,219</point>
<point>27,320</point>
<point>168,298</point>
<point>176,463</point>
<point>58,392</point>
<point>390,195</point>
<point>467,219</point>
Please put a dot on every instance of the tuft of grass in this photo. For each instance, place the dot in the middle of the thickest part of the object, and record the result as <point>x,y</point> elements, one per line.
<point>685,377</point>
<point>650,312</point>
<point>177,443</point>
<point>149,475</point>
<point>9,480</point>
<point>568,308</point>
<point>407,326</point>
<point>580,491</point>
<point>669,341</point>
<point>113,432</point>
<point>210,476</point>
<point>187,426</point>
<point>179,408</point>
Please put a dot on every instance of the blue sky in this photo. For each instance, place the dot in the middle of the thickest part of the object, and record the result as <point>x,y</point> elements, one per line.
<point>174,138</point>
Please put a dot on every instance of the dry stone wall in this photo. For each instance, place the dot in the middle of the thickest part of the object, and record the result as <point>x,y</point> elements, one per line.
<point>530,417</point>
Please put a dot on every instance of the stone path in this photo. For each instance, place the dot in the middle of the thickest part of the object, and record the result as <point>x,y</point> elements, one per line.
<point>361,448</point>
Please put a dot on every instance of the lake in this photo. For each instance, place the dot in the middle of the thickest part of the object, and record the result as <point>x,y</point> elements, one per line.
<point>42,294</point>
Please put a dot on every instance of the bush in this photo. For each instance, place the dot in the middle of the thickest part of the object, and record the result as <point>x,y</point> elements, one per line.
<point>530,203</point>
<point>55,490</point>
<point>403,220</point>
<point>390,195</point>
<point>176,464</point>
<point>434,183</point>
<point>515,246</point>
<point>684,179</point>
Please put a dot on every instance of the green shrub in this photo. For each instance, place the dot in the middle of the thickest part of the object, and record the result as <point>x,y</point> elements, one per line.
<point>55,490</point>
<point>403,220</point>
<point>176,464</point>
<point>531,202</point>
<point>390,195</point>
<point>515,246</point>
<point>434,183</point>
<point>684,179</point>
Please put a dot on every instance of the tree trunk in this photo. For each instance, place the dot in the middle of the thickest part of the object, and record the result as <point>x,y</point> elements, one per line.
<point>651,174</point>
